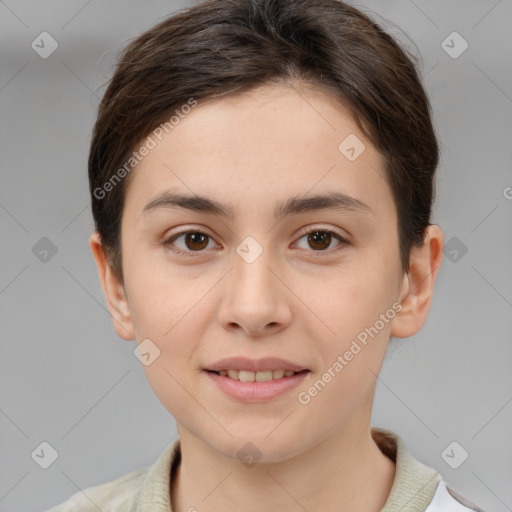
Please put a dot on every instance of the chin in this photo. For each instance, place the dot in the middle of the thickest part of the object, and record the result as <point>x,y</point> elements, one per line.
<point>253,444</point>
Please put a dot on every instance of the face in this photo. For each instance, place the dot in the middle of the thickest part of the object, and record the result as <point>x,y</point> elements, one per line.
<point>259,269</point>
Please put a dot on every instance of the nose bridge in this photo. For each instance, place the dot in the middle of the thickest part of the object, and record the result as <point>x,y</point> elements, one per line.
<point>252,268</point>
<point>252,279</point>
<point>253,298</point>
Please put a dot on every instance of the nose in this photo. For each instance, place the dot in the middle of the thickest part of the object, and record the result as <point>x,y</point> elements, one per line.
<point>254,300</point>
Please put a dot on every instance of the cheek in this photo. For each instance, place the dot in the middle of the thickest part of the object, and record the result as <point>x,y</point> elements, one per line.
<point>171,315</point>
<point>351,300</point>
<point>162,302</point>
<point>175,333</point>
<point>358,309</point>
<point>350,361</point>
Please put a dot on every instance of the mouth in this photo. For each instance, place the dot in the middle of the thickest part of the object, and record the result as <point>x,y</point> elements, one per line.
<point>259,376</point>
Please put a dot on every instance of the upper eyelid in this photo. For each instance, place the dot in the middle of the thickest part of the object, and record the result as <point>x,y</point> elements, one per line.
<point>334,231</point>
<point>187,230</point>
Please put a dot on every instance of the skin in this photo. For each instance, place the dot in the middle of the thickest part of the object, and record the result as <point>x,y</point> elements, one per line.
<point>295,301</point>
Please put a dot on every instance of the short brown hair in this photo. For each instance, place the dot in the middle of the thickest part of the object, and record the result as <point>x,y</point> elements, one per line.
<point>219,48</point>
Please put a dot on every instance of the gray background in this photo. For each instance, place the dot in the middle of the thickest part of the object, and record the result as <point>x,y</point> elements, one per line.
<point>66,378</point>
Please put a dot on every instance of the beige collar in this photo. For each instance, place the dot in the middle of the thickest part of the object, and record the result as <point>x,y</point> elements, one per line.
<point>413,487</point>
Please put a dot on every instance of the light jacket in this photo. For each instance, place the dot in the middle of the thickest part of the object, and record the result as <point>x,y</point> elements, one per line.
<point>416,487</point>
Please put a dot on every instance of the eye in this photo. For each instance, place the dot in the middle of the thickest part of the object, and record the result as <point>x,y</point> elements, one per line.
<point>192,241</point>
<point>320,239</point>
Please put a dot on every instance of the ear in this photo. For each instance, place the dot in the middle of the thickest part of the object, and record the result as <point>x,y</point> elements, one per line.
<point>418,284</point>
<point>114,291</point>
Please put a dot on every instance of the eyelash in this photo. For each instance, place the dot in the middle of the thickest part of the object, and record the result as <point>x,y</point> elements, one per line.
<point>343,242</point>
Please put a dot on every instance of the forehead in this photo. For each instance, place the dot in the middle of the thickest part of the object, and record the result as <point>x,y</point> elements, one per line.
<point>272,142</point>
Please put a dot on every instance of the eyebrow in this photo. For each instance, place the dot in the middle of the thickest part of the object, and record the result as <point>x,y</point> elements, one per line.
<point>292,206</point>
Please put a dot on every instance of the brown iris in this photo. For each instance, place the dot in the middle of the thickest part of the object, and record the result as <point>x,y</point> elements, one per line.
<point>196,241</point>
<point>320,239</point>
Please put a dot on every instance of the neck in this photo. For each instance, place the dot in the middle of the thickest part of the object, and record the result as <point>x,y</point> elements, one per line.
<point>346,471</point>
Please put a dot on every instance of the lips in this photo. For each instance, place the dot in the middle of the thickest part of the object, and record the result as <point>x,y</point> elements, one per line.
<point>255,380</point>
<point>264,365</point>
<point>253,391</point>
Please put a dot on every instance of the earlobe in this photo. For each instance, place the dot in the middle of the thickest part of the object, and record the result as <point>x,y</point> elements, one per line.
<point>114,291</point>
<point>418,284</point>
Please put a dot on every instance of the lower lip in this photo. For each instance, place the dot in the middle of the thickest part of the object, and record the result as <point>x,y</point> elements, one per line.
<point>255,392</point>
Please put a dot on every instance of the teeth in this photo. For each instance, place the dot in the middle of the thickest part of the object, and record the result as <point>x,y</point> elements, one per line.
<point>263,376</point>
<point>249,376</point>
<point>245,376</point>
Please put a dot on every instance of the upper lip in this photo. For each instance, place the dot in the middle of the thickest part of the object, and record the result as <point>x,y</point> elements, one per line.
<point>255,365</point>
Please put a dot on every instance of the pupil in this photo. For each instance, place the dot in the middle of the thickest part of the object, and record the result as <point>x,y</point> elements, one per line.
<point>196,241</point>
<point>319,237</point>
